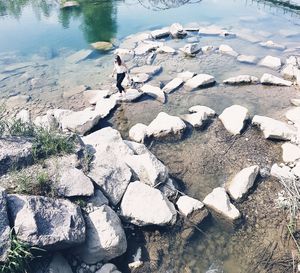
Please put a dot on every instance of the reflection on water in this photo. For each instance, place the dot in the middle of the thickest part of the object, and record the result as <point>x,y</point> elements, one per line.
<point>165,4</point>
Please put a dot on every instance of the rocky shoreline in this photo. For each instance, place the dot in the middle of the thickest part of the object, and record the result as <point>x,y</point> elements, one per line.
<point>120,185</point>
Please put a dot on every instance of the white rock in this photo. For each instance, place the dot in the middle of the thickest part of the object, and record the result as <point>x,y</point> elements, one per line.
<point>140,78</point>
<point>177,31</point>
<point>200,80</point>
<point>290,72</point>
<point>271,62</point>
<point>154,92</point>
<point>195,119</point>
<point>282,173</point>
<point>295,102</point>
<point>186,205</point>
<point>146,69</point>
<point>92,96</point>
<point>191,49</point>
<point>105,105</point>
<point>274,129</point>
<point>233,118</point>
<point>166,49</point>
<point>74,182</point>
<point>24,116</point>
<point>290,152</point>
<point>105,237</point>
<point>271,44</point>
<point>202,109</point>
<point>293,115</point>
<point>164,125</point>
<point>242,182</point>
<point>143,205</point>
<point>192,27</point>
<point>249,59</point>
<point>185,76</point>
<point>218,201</point>
<point>172,85</point>
<point>5,232</point>
<point>125,54</point>
<point>241,79</point>
<point>138,132</point>
<point>226,49</point>
<point>269,79</point>
<point>160,33</point>
<point>168,188</point>
<point>130,95</point>
<point>148,168</point>
<point>209,48</point>
<point>137,148</point>
<point>144,48</point>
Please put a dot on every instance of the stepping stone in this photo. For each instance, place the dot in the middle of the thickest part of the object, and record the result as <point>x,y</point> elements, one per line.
<point>154,92</point>
<point>270,62</point>
<point>269,79</point>
<point>241,79</point>
<point>200,80</point>
<point>172,85</point>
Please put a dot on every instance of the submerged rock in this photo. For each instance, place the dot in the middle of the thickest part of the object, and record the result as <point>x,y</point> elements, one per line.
<point>17,100</point>
<point>154,92</point>
<point>271,62</point>
<point>105,237</point>
<point>187,205</point>
<point>242,182</point>
<point>269,79</point>
<point>271,44</point>
<point>248,59</point>
<point>4,227</point>
<point>46,222</point>
<point>233,118</point>
<point>103,46</point>
<point>241,79</point>
<point>143,205</point>
<point>79,56</point>
<point>164,125</point>
<point>138,132</point>
<point>200,80</point>
<point>219,202</point>
<point>172,85</point>
<point>290,152</point>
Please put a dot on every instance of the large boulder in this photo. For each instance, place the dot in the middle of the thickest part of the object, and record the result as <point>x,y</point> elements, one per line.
<point>242,182</point>
<point>187,205</point>
<point>219,202</point>
<point>154,92</point>
<point>4,227</point>
<point>290,152</point>
<point>164,125</point>
<point>14,151</point>
<point>105,237</point>
<point>138,132</point>
<point>46,222</point>
<point>241,79</point>
<point>73,182</point>
<point>274,129</point>
<point>200,80</point>
<point>271,62</point>
<point>143,205</point>
<point>233,118</point>
<point>172,85</point>
<point>148,168</point>
<point>269,79</point>
<point>177,31</point>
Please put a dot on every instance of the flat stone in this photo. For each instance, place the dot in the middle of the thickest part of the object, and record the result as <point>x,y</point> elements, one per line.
<point>185,76</point>
<point>241,79</point>
<point>200,80</point>
<point>164,125</point>
<point>146,69</point>
<point>105,105</point>
<point>166,49</point>
<point>140,78</point>
<point>274,129</point>
<point>226,49</point>
<point>293,115</point>
<point>192,27</point>
<point>269,79</point>
<point>74,91</point>
<point>4,227</point>
<point>105,237</point>
<point>233,118</point>
<point>143,48</point>
<point>73,182</point>
<point>92,96</point>
<point>79,56</point>
<point>282,173</point>
<point>143,205</point>
<point>271,62</point>
<point>102,46</point>
<point>195,119</point>
<point>160,33</point>
<point>138,132</point>
<point>242,182</point>
<point>130,95</point>
<point>272,45</point>
<point>46,222</point>
<point>290,152</point>
<point>248,59</point>
<point>154,92</point>
<point>290,72</point>
<point>172,85</point>
<point>202,109</point>
<point>191,49</point>
<point>219,202</point>
<point>187,205</point>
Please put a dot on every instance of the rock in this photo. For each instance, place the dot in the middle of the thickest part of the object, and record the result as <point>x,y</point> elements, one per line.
<point>166,49</point>
<point>295,102</point>
<point>248,59</point>
<point>195,119</point>
<point>233,118</point>
<point>164,125</point>
<point>24,116</point>
<point>143,205</point>
<point>187,205</point>
<point>108,169</point>
<point>130,95</point>
<point>138,132</point>
<point>154,92</point>
<point>219,202</point>
<point>97,200</point>
<point>125,54</point>
<point>70,4</point>
<point>140,78</point>
<point>108,268</point>
<point>104,106</point>
<point>144,48</point>
<point>172,85</point>
<point>200,80</point>
<point>290,152</point>
<point>241,79</point>
<point>92,96</point>
<point>58,264</point>
<point>226,49</point>
<point>242,182</point>
<point>269,79</point>
<point>137,148</point>
<point>151,57</point>
<point>17,100</point>
<point>271,44</point>
<point>74,182</point>
<point>185,76</point>
<point>80,122</point>
<point>211,31</point>
<point>148,168</point>
<point>16,152</point>
<point>274,129</point>
<point>191,49</point>
<point>75,91</point>
<point>160,33</point>
<point>293,115</point>
<point>271,62</point>
<point>202,109</point>
<point>207,49</point>
<point>131,41</point>
<point>105,237</point>
<point>168,188</point>
<point>4,227</point>
<point>79,56</point>
<point>177,31</point>
<point>135,265</point>
<point>46,222</point>
<point>289,72</point>
<point>102,46</point>
<point>146,69</point>
<point>282,173</point>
